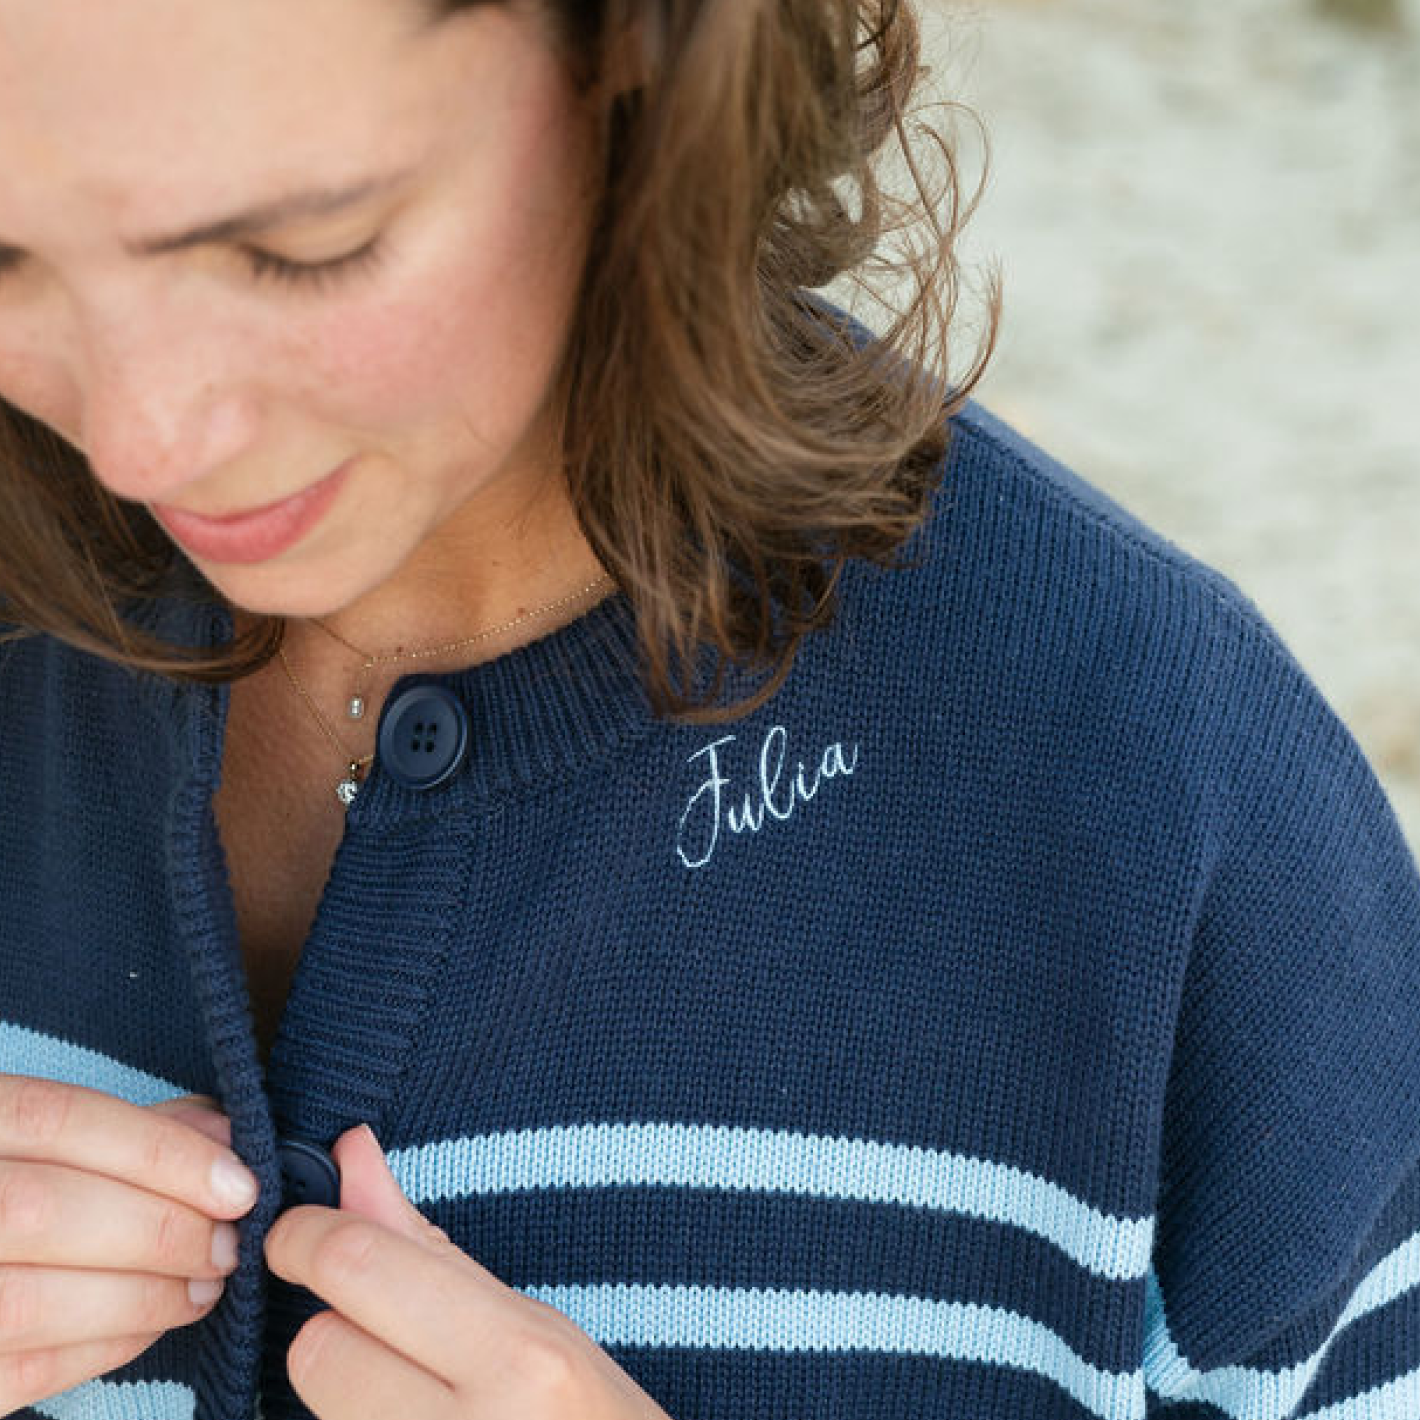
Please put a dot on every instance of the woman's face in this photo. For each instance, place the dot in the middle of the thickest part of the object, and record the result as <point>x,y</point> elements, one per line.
<point>448,161</point>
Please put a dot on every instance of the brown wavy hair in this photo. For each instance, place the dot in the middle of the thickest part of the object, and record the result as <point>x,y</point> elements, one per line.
<point>730,442</point>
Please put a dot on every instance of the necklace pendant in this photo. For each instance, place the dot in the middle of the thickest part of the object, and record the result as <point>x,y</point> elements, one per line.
<point>348,787</point>
<point>356,708</point>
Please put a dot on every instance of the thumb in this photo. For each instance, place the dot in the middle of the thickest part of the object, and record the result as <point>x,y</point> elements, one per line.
<point>368,1188</point>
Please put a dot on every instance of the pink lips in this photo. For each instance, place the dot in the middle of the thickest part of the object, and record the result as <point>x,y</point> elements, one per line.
<point>260,534</point>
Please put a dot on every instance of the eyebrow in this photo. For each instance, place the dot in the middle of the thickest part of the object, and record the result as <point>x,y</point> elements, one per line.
<point>316,202</point>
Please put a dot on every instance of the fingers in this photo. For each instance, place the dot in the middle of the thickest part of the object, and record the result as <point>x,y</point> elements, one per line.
<point>28,1376</point>
<point>200,1112</point>
<point>420,1298</point>
<point>337,1369</point>
<point>114,1218</point>
<point>67,1124</point>
<point>62,1217</point>
<point>44,1308</point>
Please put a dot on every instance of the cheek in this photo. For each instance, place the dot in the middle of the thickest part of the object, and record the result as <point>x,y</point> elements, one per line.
<point>39,385</point>
<point>471,341</point>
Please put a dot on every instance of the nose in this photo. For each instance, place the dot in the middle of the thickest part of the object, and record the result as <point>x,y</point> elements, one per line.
<point>163,406</point>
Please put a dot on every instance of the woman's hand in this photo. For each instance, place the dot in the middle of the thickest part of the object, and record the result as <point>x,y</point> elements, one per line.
<point>418,1329</point>
<point>112,1229</point>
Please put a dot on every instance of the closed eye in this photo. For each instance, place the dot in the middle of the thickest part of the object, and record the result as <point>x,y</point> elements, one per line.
<point>312,275</point>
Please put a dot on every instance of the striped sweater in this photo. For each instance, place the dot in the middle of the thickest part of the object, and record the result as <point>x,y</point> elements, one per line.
<point>1018,1016</point>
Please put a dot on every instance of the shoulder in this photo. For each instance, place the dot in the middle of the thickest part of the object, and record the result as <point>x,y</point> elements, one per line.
<point>1009,514</point>
<point>1035,622</point>
<point>1027,568</point>
<point>1012,522</point>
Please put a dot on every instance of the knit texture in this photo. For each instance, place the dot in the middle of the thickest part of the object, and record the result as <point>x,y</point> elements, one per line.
<point>1017,1016</point>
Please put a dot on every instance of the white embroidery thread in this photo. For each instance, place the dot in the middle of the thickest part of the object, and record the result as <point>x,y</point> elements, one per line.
<point>774,796</point>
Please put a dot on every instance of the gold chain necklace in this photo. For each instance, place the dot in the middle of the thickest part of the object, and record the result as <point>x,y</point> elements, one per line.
<point>349,786</point>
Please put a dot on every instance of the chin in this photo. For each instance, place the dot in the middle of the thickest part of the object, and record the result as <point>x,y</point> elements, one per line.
<point>295,596</point>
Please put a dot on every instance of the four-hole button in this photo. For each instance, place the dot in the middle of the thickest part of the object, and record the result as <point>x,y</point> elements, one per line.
<point>424,737</point>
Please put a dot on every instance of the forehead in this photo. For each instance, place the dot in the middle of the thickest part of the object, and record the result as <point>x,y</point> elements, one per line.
<point>130,97</point>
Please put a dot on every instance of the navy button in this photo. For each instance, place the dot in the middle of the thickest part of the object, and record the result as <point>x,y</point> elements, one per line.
<point>308,1175</point>
<point>424,737</point>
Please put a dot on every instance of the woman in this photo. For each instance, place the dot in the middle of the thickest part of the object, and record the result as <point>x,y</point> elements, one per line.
<point>822,913</point>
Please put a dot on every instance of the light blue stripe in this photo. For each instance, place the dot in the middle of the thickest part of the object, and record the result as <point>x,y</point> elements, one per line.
<point>1400,1400</point>
<point>689,1156</point>
<point>48,1057</point>
<point>122,1400</point>
<point>788,1321</point>
<point>1248,1394</point>
<point>720,1158</point>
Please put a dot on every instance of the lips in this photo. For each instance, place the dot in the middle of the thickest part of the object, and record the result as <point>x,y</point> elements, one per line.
<point>230,520</point>
<point>258,534</point>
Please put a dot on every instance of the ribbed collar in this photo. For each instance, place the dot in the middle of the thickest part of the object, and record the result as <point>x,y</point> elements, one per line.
<point>538,713</point>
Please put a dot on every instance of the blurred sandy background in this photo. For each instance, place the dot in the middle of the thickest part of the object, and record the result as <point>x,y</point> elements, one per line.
<point>1207,220</point>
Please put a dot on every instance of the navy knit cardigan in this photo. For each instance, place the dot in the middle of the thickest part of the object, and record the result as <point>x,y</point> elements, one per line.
<point>1018,1016</point>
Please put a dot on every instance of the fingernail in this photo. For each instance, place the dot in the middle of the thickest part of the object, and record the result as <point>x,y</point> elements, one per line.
<point>224,1247</point>
<point>203,1291</point>
<point>234,1184</point>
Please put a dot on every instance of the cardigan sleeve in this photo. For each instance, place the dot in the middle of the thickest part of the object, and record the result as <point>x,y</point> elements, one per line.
<point>1286,1261</point>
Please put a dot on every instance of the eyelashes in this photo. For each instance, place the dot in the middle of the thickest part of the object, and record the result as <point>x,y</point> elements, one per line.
<point>317,275</point>
<point>312,276</point>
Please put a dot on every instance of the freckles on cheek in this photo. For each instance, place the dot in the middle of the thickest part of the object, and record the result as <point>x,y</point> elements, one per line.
<point>465,321</point>
<point>374,362</point>
<point>476,339</point>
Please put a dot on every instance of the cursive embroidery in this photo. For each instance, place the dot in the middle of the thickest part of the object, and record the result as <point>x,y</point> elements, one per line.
<point>775,794</point>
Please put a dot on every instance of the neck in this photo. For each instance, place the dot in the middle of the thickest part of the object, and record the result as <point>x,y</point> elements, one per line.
<point>458,600</point>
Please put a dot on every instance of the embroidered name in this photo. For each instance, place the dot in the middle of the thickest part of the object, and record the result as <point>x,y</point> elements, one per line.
<point>718,805</point>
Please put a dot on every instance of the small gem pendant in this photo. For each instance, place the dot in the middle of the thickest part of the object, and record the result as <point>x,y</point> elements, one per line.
<point>348,787</point>
<point>356,709</point>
